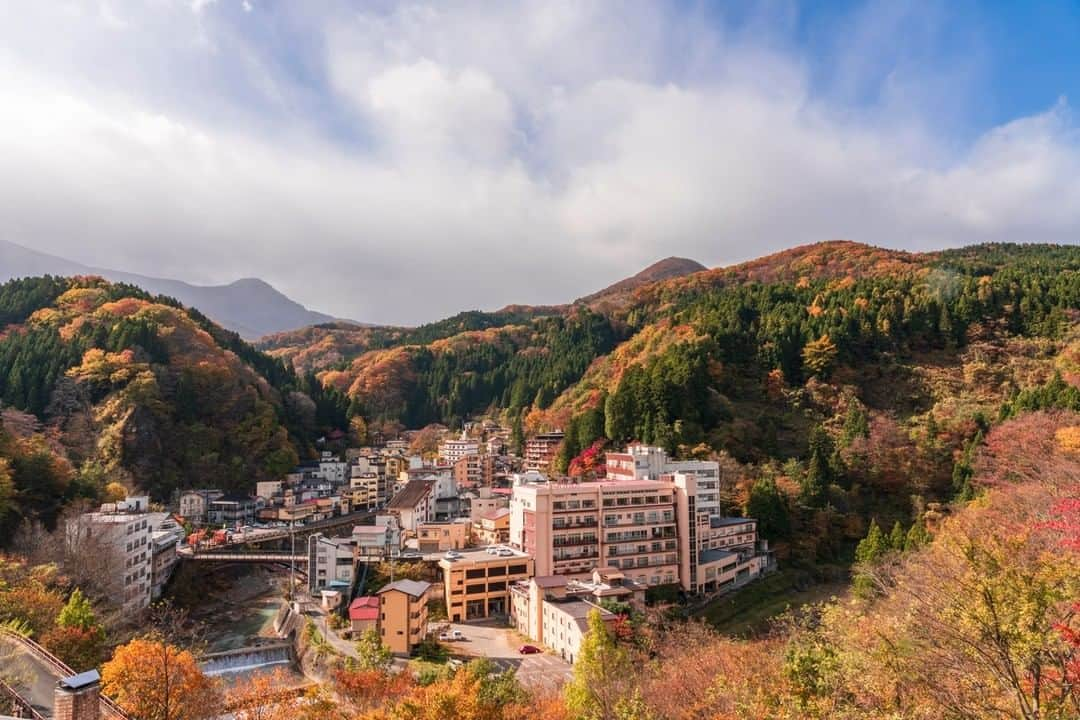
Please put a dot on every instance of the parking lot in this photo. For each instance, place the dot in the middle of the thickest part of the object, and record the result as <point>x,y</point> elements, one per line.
<point>500,645</point>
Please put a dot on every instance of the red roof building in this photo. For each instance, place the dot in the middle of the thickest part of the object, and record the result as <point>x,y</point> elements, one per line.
<point>364,613</point>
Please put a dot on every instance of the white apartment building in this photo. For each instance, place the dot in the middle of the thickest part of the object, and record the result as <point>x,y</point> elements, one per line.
<point>120,536</point>
<point>645,462</point>
<point>450,451</point>
<point>331,563</point>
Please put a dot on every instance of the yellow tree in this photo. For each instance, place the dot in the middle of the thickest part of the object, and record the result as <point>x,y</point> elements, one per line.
<point>152,680</point>
<point>819,355</point>
<point>602,677</point>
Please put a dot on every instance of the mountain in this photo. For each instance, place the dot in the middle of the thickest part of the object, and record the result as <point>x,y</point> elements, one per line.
<point>132,388</point>
<point>666,269</point>
<point>250,307</point>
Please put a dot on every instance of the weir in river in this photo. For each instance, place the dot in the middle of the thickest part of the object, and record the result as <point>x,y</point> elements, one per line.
<point>247,659</point>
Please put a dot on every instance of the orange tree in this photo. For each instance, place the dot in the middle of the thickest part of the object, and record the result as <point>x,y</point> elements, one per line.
<point>152,680</point>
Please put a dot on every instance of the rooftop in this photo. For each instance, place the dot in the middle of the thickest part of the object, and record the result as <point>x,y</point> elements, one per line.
<point>716,555</point>
<point>718,522</point>
<point>413,588</point>
<point>413,492</point>
<point>481,555</point>
<point>364,608</point>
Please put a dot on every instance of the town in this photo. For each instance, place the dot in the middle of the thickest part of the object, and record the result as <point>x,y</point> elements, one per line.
<point>494,555</point>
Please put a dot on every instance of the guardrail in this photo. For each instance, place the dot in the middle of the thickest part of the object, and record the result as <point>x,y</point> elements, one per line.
<point>22,707</point>
<point>60,668</point>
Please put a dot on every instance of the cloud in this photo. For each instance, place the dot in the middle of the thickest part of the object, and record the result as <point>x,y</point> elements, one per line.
<point>402,165</point>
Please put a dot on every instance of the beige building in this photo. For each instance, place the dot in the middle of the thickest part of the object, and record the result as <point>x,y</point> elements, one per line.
<point>492,528</point>
<point>403,615</point>
<point>477,583</point>
<point>483,501</point>
<point>440,536</point>
<point>553,611</point>
<point>541,450</point>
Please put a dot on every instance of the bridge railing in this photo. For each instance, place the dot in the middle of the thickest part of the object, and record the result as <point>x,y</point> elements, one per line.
<point>20,706</point>
<point>59,667</point>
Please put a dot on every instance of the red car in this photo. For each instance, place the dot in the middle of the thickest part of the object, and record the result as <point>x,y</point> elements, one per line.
<point>529,650</point>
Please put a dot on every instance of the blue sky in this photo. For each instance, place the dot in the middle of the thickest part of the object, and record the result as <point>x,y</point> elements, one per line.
<point>398,162</point>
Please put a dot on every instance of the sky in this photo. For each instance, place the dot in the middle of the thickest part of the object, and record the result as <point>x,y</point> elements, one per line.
<point>400,162</point>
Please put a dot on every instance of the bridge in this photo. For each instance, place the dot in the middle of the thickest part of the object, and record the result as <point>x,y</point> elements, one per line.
<point>256,537</point>
<point>242,556</point>
<point>34,674</point>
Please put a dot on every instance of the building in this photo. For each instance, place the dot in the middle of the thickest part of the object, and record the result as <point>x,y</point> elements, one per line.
<point>476,584</point>
<point>440,536</point>
<point>485,501</point>
<point>231,511</point>
<point>365,490</point>
<point>383,539</point>
<point>450,451</point>
<point>541,449</point>
<point>403,615</point>
<point>474,471</point>
<point>364,614</point>
<point>119,537</point>
<point>414,504</point>
<point>165,539</point>
<point>552,613</point>
<point>492,528</point>
<point>644,462</point>
<point>331,563</point>
<point>570,529</point>
<point>193,504</point>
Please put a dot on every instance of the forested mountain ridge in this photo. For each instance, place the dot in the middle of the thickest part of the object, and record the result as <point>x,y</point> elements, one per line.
<point>139,390</point>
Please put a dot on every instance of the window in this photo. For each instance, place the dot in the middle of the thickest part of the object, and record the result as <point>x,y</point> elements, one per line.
<point>474,573</point>
<point>518,569</point>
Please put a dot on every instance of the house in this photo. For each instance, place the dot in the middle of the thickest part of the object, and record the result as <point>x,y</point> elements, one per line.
<point>403,615</point>
<point>485,500</point>
<point>414,504</point>
<point>492,528</point>
<point>364,614</point>
<point>193,504</point>
<point>231,510</point>
<point>331,563</point>
<point>446,535</point>
<point>476,584</point>
<point>381,539</point>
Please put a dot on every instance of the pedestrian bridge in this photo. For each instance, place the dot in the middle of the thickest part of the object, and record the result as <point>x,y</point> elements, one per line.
<point>242,556</point>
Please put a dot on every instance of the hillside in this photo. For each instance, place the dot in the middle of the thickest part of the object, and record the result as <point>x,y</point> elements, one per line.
<point>134,389</point>
<point>250,307</point>
<point>622,292</point>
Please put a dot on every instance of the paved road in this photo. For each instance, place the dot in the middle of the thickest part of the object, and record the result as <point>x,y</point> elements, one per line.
<point>31,678</point>
<point>500,645</point>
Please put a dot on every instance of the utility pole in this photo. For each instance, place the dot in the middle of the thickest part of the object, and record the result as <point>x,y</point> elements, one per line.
<point>292,559</point>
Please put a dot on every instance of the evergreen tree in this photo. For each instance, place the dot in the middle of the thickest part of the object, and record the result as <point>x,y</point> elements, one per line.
<point>77,613</point>
<point>896,537</point>
<point>871,548</point>
<point>855,423</point>
<point>917,537</point>
<point>766,505</point>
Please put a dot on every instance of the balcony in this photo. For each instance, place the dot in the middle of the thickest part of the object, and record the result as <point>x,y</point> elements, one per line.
<point>573,541</point>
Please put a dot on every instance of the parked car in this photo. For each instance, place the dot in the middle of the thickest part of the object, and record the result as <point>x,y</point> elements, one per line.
<point>505,552</point>
<point>452,555</point>
<point>529,650</point>
<point>457,635</point>
<point>445,636</point>
<point>493,550</point>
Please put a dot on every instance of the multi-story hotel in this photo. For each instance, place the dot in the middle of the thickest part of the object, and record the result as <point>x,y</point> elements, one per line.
<point>572,528</point>
<point>654,531</point>
<point>450,451</point>
<point>541,449</point>
<point>644,462</point>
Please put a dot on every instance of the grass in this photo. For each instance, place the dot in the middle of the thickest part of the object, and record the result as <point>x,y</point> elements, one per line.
<point>748,612</point>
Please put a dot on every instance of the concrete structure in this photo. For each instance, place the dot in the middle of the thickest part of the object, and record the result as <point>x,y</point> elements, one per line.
<point>119,538</point>
<point>403,615</point>
<point>414,504</point>
<point>193,504</point>
<point>381,539</point>
<point>450,451</point>
<point>364,614</point>
<point>331,563</point>
<point>541,449</point>
<point>231,511</point>
<point>644,462</point>
<point>474,470</point>
<point>484,501</point>
<point>78,697</point>
<point>166,537</point>
<point>552,613</point>
<point>476,585</point>
<point>492,528</point>
<point>572,528</point>
<point>440,536</point>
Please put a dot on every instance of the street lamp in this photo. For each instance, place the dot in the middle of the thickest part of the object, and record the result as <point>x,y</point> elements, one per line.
<point>292,558</point>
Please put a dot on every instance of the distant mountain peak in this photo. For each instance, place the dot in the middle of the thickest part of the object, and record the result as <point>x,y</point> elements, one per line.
<point>249,306</point>
<point>666,269</point>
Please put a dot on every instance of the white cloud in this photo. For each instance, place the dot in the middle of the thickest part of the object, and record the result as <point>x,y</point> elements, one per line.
<point>481,155</point>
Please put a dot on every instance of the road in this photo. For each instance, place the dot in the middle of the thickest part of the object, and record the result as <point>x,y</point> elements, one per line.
<point>500,645</point>
<point>32,678</point>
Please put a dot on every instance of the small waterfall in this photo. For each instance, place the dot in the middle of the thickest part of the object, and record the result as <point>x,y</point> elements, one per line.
<point>245,659</point>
